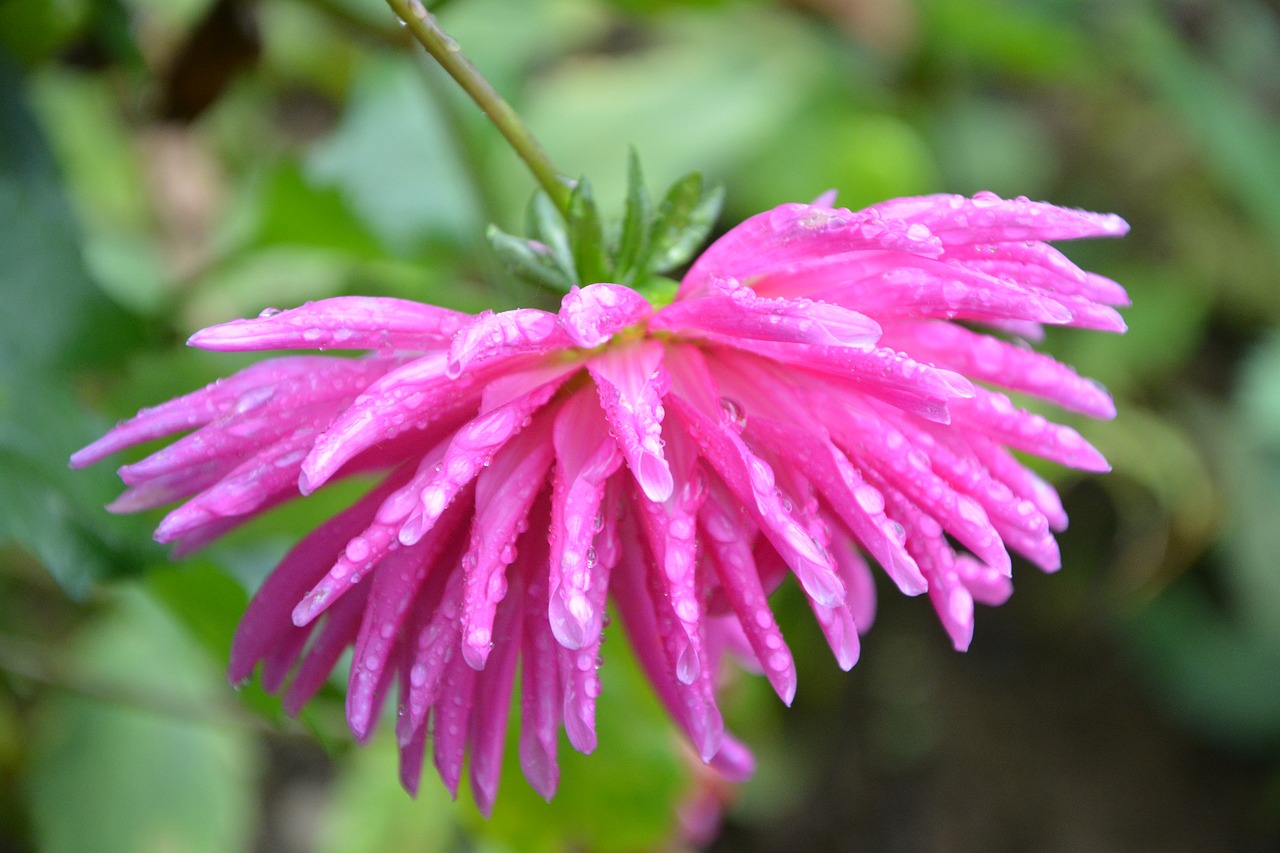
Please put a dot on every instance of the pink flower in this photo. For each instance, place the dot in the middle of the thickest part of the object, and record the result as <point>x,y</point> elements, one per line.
<point>806,402</point>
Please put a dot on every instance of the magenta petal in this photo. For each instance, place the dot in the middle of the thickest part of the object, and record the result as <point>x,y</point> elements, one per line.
<point>880,372</point>
<point>591,315</point>
<point>242,392</point>
<point>493,701</point>
<point>631,382</point>
<point>730,552</point>
<point>266,623</point>
<point>450,721</point>
<point>470,450</point>
<point>488,336</point>
<point>670,530</point>
<point>987,218</point>
<point>796,232</point>
<point>367,548</point>
<point>993,360</point>
<point>394,588</point>
<point>430,647</point>
<point>334,636</point>
<point>857,503</point>
<point>993,414</point>
<point>732,310</point>
<point>1039,266</point>
<point>412,396</point>
<point>585,457</point>
<point>540,689</point>
<point>505,492</point>
<point>734,760</point>
<point>858,580</point>
<point>986,585</point>
<point>751,480</point>
<point>886,450</point>
<point>890,286</point>
<point>343,322</point>
<point>636,594</point>
<point>1020,480</point>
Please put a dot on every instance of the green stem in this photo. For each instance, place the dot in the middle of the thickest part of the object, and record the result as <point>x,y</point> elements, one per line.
<point>445,51</point>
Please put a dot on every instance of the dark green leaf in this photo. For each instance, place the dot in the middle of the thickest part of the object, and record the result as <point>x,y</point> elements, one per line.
<point>637,217</point>
<point>586,236</point>
<point>685,218</point>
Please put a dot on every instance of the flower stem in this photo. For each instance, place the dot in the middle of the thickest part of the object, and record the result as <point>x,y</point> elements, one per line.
<point>445,51</point>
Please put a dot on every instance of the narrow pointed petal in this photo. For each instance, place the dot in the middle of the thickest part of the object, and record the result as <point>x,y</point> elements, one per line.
<point>540,690</point>
<point>1018,521</point>
<point>1020,480</point>
<point>493,702</point>
<point>470,450</point>
<point>631,382</point>
<point>343,322</point>
<point>395,587</point>
<point>993,360</point>
<point>505,493</point>
<point>450,721</point>
<point>585,457</point>
<point>730,551</point>
<point>1042,267</point>
<point>333,638</point>
<point>987,218</point>
<point>858,580</point>
<point>985,584</point>
<point>880,372</point>
<point>888,286</point>
<point>994,415</point>
<point>266,624</point>
<point>636,593</point>
<point>950,598</point>
<point>488,336</point>
<point>249,486</point>
<point>242,392</point>
<point>591,315</point>
<point>858,504</point>
<point>887,451</point>
<point>578,667</point>
<point>729,309</point>
<point>368,547</point>
<point>431,647</point>
<point>795,232</point>
<point>670,529</point>
<point>696,399</point>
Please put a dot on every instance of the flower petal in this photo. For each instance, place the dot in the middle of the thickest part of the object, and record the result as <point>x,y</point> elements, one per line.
<point>631,382</point>
<point>343,322</point>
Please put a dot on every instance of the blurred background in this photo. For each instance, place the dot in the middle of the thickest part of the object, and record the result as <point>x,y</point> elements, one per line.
<point>167,164</point>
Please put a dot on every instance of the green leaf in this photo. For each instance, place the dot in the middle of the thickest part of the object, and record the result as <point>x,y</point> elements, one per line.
<point>150,770</point>
<point>685,218</point>
<point>544,223</point>
<point>529,261</point>
<point>53,319</point>
<point>297,212</point>
<point>394,162</point>
<point>586,236</point>
<point>637,218</point>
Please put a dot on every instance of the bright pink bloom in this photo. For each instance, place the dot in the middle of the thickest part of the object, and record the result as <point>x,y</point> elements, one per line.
<point>804,403</point>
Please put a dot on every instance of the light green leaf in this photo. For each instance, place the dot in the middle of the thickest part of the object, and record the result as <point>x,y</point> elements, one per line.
<point>152,771</point>
<point>394,161</point>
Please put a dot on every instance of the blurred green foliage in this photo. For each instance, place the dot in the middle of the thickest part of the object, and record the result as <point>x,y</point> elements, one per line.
<point>166,165</point>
